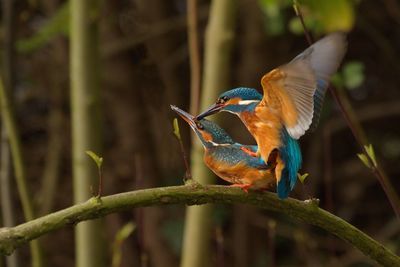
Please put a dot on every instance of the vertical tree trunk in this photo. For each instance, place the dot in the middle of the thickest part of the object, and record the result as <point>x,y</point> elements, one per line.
<point>7,211</point>
<point>10,131</point>
<point>85,114</point>
<point>217,65</point>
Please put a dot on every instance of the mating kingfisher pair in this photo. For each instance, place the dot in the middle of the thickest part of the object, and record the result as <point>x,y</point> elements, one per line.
<point>290,106</point>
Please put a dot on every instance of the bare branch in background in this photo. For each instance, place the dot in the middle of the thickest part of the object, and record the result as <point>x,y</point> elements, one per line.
<point>7,205</point>
<point>10,125</point>
<point>357,131</point>
<point>194,56</point>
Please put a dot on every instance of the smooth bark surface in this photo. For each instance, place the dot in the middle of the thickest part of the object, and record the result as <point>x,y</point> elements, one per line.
<point>85,124</point>
<point>217,66</point>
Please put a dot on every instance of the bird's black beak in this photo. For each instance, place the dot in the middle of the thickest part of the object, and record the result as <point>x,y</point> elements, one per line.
<point>190,119</point>
<point>214,108</point>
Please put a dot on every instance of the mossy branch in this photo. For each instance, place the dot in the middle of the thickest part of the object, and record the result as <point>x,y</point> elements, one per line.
<point>195,194</point>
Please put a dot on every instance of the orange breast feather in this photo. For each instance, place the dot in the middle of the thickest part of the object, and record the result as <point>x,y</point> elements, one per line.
<point>240,173</point>
<point>265,126</point>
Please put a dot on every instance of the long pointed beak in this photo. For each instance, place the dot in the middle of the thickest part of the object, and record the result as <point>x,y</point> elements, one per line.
<point>190,119</point>
<point>214,108</point>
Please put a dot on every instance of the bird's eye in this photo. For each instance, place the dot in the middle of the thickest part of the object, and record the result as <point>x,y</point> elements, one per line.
<point>199,125</point>
<point>222,100</point>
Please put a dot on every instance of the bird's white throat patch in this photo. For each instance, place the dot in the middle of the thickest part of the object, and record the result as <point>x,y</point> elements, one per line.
<point>247,102</point>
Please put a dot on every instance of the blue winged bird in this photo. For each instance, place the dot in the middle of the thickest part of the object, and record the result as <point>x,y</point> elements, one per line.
<point>226,158</point>
<point>291,105</point>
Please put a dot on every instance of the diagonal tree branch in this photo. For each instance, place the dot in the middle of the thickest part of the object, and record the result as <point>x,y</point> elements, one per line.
<point>195,194</point>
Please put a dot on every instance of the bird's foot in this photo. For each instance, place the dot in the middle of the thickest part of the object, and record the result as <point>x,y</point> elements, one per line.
<point>244,187</point>
<point>248,151</point>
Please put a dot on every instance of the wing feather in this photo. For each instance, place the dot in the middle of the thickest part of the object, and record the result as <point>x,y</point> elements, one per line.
<point>294,86</point>
<point>298,88</point>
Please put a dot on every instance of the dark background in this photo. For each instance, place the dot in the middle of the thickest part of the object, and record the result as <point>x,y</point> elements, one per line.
<point>145,68</point>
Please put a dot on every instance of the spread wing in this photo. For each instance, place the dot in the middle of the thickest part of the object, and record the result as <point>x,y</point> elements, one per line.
<point>297,89</point>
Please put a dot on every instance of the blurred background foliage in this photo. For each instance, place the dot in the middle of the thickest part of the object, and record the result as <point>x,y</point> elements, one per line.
<point>145,68</point>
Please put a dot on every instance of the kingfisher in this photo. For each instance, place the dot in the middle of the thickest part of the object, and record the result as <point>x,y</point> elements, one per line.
<point>226,158</point>
<point>290,106</point>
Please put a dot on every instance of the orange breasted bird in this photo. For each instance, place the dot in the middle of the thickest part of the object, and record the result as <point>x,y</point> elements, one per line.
<point>226,158</point>
<point>291,105</point>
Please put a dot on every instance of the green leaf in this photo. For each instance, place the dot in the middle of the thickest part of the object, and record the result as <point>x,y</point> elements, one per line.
<point>371,153</point>
<point>56,25</point>
<point>364,160</point>
<point>353,74</point>
<point>302,177</point>
<point>176,129</point>
<point>98,160</point>
<point>331,16</point>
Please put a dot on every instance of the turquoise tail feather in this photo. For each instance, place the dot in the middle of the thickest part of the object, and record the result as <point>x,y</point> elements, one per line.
<point>291,156</point>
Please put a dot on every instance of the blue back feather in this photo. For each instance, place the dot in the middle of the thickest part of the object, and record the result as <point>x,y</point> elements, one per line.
<point>243,93</point>
<point>218,134</point>
<point>230,152</point>
<point>233,155</point>
<point>291,156</point>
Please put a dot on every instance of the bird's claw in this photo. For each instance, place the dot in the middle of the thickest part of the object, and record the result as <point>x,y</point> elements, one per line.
<point>244,187</point>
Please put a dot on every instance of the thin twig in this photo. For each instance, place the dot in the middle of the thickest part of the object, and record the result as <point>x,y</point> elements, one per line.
<point>188,173</point>
<point>9,121</point>
<point>100,186</point>
<point>7,205</point>
<point>297,10</point>
<point>358,133</point>
<point>194,56</point>
<point>367,113</point>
